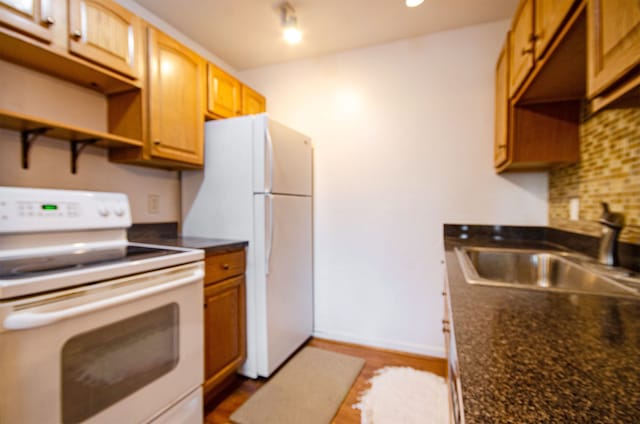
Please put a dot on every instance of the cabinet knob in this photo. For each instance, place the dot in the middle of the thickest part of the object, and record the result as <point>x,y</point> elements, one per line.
<point>157,142</point>
<point>527,51</point>
<point>77,34</point>
<point>48,20</point>
<point>225,266</point>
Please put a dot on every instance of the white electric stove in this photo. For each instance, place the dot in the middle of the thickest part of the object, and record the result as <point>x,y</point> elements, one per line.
<point>93,328</point>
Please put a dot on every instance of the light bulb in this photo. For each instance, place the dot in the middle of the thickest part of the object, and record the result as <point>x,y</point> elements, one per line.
<point>413,3</point>
<point>292,34</point>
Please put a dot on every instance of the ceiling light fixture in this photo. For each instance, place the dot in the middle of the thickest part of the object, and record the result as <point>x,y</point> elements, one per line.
<point>413,3</point>
<point>289,21</point>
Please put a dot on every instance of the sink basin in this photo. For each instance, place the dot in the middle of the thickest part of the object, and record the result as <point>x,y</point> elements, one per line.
<point>532,269</point>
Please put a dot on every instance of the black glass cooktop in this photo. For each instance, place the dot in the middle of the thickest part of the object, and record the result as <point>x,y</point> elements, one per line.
<point>34,266</point>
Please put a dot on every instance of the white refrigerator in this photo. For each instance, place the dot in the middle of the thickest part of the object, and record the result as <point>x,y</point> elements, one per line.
<point>257,186</point>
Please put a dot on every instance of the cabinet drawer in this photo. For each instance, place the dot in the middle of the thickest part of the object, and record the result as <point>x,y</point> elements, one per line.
<point>225,265</point>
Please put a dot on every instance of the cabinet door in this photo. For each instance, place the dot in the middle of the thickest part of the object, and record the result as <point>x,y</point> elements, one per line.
<point>502,107</point>
<point>549,15</point>
<point>31,17</point>
<point>224,327</point>
<point>521,47</point>
<point>105,33</point>
<point>613,35</point>
<point>176,79</point>
<point>223,93</point>
<point>252,101</point>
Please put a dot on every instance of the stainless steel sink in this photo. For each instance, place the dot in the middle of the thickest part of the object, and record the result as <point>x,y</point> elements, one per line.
<point>535,269</point>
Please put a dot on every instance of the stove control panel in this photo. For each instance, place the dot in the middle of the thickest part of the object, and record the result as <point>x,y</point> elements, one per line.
<point>29,210</point>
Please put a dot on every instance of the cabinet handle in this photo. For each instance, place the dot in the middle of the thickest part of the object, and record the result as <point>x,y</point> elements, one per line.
<point>225,266</point>
<point>527,51</point>
<point>445,322</point>
<point>444,293</point>
<point>502,146</point>
<point>446,330</point>
<point>77,34</point>
<point>48,20</point>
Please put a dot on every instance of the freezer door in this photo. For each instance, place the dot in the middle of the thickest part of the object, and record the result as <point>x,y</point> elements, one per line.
<point>287,294</point>
<point>282,159</point>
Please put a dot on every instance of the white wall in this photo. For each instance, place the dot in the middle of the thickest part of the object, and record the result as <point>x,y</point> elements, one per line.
<point>25,91</point>
<point>404,136</point>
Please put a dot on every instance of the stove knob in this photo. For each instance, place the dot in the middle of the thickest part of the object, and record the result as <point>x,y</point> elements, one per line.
<point>103,211</point>
<point>119,212</point>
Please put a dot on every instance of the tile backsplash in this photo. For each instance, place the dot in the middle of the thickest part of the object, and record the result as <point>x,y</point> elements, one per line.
<point>608,171</point>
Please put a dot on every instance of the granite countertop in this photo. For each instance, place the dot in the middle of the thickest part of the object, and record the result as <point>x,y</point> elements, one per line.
<point>530,356</point>
<point>210,246</point>
<point>166,234</point>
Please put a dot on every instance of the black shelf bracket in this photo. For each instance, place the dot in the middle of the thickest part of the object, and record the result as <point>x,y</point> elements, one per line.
<point>27,137</point>
<point>77,146</point>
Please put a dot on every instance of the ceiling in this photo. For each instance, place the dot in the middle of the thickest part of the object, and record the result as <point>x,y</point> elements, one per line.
<point>247,34</point>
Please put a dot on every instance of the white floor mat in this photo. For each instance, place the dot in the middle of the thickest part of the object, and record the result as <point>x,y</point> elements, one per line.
<point>403,395</point>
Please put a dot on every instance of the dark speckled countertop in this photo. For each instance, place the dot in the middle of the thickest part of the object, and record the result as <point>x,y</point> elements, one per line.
<point>537,357</point>
<point>166,234</point>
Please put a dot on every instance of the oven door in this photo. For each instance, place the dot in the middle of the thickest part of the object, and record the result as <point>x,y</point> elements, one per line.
<point>116,351</point>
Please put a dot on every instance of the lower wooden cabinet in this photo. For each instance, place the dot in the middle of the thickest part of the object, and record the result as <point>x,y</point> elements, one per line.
<point>224,318</point>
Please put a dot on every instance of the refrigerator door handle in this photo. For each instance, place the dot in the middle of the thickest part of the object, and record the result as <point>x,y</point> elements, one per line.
<point>269,200</point>
<point>269,164</point>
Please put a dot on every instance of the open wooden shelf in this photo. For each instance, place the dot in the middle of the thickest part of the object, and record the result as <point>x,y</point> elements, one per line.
<point>20,122</point>
<point>31,128</point>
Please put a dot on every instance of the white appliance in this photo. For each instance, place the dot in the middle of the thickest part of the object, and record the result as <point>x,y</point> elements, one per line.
<point>94,329</point>
<point>257,186</point>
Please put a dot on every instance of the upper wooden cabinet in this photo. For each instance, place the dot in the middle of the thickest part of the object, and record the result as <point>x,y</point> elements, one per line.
<point>31,17</point>
<point>95,43</point>
<point>537,123</point>
<point>534,27</point>
<point>614,42</point>
<point>105,33</point>
<point>223,93</point>
<point>549,15</point>
<point>252,101</point>
<point>521,57</point>
<point>501,107</point>
<point>176,87</point>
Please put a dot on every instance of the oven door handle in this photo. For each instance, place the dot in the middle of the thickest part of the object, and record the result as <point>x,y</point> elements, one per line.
<point>25,320</point>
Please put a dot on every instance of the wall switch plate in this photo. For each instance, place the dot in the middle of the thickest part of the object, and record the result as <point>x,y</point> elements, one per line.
<point>153,203</point>
<point>574,208</point>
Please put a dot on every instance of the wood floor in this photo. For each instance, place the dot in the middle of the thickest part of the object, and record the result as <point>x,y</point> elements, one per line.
<point>374,358</point>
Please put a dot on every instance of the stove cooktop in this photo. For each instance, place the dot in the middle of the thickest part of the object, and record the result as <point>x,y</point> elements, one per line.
<point>29,275</point>
<point>24,267</point>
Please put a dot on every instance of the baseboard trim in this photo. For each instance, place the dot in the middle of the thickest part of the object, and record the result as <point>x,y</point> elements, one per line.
<point>433,351</point>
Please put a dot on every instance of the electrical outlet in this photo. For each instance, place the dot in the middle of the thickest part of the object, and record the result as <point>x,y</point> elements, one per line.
<point>153,204</point>
<point>574,209</point>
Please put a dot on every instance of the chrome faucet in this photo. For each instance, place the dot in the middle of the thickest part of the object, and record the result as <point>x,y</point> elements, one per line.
<point>612,223</point>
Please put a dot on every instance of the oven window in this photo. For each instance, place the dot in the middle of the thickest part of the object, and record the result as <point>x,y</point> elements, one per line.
<point>105,365</point>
